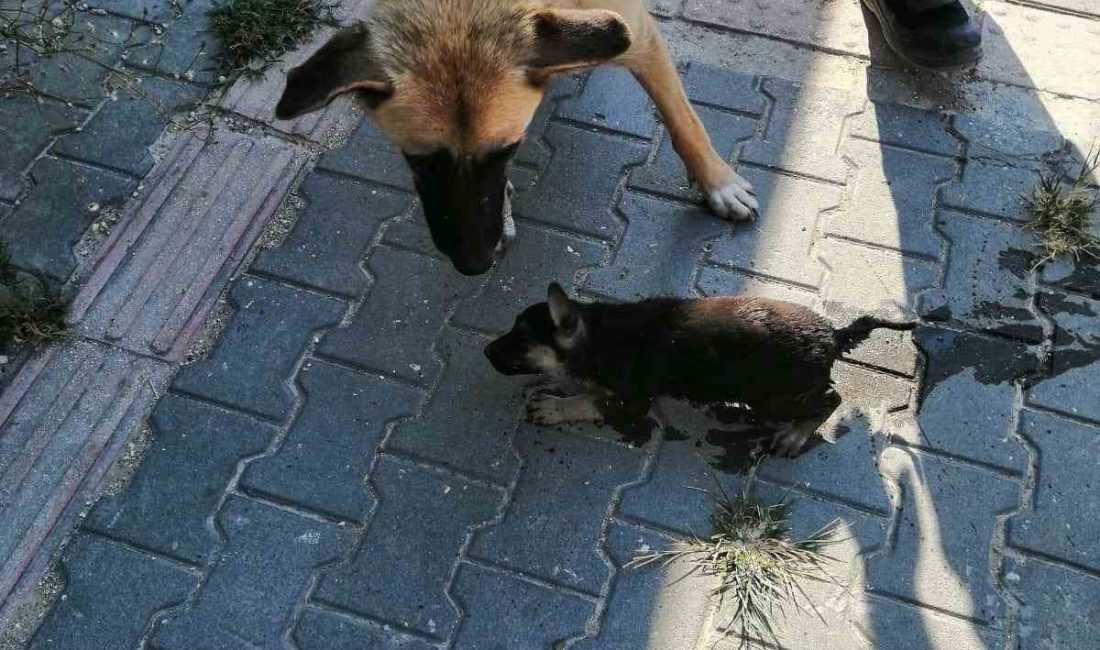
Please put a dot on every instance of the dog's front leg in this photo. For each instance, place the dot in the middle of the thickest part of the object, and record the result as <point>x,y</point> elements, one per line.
<point>550,410</point>
<point>728,195</point>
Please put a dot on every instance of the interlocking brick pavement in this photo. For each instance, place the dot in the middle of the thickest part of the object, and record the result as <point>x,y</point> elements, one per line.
<point>345,470</point>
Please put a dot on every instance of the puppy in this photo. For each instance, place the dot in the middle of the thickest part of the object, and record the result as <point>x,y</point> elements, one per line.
<point>772,356</point>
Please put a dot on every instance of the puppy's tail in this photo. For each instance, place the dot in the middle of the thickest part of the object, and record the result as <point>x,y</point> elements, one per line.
<point>858,331</point>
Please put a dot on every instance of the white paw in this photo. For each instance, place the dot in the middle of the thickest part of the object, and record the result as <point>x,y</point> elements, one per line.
<point>509,235</point>
<point>545,410</point>
<point>788,441</point>
<point>733,200</point>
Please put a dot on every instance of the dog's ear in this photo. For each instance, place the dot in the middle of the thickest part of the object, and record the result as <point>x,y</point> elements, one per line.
<point>577,38</point>
<point>562,311</point>
<point>341,65</point>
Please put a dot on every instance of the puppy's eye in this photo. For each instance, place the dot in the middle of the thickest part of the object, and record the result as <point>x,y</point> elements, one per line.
<point>501,155</point>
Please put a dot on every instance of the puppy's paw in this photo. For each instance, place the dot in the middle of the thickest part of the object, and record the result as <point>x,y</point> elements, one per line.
<point>733,198</point>
<point>789,441</point>
<point>508,236</point>
<point>545,410</point>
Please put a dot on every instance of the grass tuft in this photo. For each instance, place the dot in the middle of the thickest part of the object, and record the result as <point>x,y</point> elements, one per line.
<point>253,34</point>
<point>757,562</point>
<point>28,315</point>
<point>1062,214</point>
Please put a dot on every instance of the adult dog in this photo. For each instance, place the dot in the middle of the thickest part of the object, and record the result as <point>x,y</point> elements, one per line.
<point>455,83</point>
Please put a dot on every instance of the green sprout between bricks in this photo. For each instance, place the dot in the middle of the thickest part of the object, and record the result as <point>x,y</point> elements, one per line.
<point>1062,213</point>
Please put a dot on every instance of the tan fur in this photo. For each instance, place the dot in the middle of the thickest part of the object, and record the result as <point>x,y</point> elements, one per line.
<point>545,359</point>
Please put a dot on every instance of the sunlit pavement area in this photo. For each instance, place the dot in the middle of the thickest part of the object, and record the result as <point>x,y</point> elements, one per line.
<point>329,461</point>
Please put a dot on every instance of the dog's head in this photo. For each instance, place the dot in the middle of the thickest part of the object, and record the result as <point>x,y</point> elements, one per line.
<point>542,340</point>
<point>455,91</point>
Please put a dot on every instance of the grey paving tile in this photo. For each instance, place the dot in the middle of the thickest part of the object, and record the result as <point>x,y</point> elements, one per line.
<point>120,134</point>
<point>39,122</point>
<point>64,419</point>
<point>1005,138</point>
<point>537,258</point>
<point>590,165</point>
<point>468,422</point>
<point>43,229</point>
<point>322,630</point>
<point>987,282</point>
<point>660,249</point>
<point>969,385</point>
<point>393,329</point>
<point>249,597</point>
<point>401,573</point>
<point>327,452</point>
<point>993,187</point>
<point>1063,524</point>
<point>866,280</point>
<point>906,127</point>
<point>268,317</point>
<point>650,607</point>
<point>804,130</point>
<point>891,197</point>
<point>837,27</point>
<point>187,50</point>
<point>1075,359</point>
<point>193,457</point>
<point>780,243</point>
<point>666,174</point>
<point>111,594</point>
<point>94,42</point>
<point>552,526</point>
<point>721,281</point>
<point>370,156</point>
<point>506,612</point>
<point>1059,607</point>
<point>156,11</point>
<point>151,286</point>
<point>614,100</point>
<point>723,88</point>
<point>330,238</point>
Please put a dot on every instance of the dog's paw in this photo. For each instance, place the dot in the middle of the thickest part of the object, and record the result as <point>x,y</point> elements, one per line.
<point>545,410</point>
<point>789,441</point>
<point>733,199</point>
<point>508,236</point>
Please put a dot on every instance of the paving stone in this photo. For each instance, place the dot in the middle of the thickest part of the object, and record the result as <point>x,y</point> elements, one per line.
<point>905,127</point>
<point>1075,359</point>
<point>401,573</point>
<point>659,251</point>
<point>468,422</point>
<point>1063,524</point>
<point>270,317</point>
<point>193,458</point>
<point>553,524</point>
<point>321,630</point>
<point>393,329</point>
<point>780,243</point>
<point>110,595</point>
<point>119,134</point>
<point>720,281</point>
<point>41,232</point>
<point>986,285</point>
<point>874,281</point>
<point>77,76</point>
<point>837,26</point>
<point>887,349</point>
<point>537,258</point>
<point>1059,607</point>
<point>330,238</point>
<point>329,448</point>
<point>664,8</point>
<point>804,131</point>
<point>1046,41</point>
<point>370,156</point>
<point>39,122</point>
<point>590,165</point>
<point>723,88</point>
<point>1006,137</point>
<point>666,173</point>
<point>873,392</point>
<point>154,11</point>
<point>969,386</point>
<point>507,612</point>
<point>614,100</point>
<point>161,270</point>
<point>533,151</point>
<point>187,50</point>
<point>653,606</point>
<point>251,593</point>
<point>941,547</point>
<point>891,198</point>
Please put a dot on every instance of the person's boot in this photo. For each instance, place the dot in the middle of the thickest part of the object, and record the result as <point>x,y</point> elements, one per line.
<point>928,33</point>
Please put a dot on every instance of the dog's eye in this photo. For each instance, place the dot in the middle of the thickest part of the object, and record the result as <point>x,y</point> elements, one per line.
<point>501,155</point>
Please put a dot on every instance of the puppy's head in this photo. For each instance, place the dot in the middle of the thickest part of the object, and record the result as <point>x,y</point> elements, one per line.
<point>455,91</point>
<point>543,339</point>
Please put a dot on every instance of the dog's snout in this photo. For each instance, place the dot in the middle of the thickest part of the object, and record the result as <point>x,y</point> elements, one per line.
<point>472,266</point>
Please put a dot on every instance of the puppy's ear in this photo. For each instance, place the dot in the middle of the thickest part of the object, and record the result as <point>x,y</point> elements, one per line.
<point>562,311</point>
<point>575,38</point>
<point>341,65</point>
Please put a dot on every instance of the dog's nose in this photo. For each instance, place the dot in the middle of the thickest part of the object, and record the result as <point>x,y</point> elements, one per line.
<point>472,267</point>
